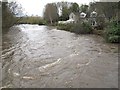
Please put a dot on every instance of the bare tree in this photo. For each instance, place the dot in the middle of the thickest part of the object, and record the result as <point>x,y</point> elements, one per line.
<point>15,8</point>
<point>51,13</point>
<point>10,11</point>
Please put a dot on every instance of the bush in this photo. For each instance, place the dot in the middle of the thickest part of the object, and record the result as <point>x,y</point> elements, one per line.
<point>112,33</point>
<point>65,27</point>
<point>78,28</point>
<point>114,39</point>
<point>101,23</point>
<point>81,28</point>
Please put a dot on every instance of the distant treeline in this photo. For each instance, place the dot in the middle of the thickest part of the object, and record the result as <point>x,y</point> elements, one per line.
<point>32,20</point>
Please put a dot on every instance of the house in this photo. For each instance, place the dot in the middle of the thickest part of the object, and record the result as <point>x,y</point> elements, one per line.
<point>73,18</point>
<point>77,16</point>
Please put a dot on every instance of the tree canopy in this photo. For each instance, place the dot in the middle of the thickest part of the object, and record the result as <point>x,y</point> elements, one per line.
<point>84,8</point>
<point>74,7</point>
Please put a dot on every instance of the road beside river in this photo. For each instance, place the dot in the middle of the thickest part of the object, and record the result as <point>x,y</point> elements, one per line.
<point>43,57</point>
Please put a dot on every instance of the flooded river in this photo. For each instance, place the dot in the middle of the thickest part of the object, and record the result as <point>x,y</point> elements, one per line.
<point>44,57</point>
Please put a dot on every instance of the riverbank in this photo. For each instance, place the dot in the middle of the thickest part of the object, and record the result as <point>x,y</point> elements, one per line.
<point>110,32</point>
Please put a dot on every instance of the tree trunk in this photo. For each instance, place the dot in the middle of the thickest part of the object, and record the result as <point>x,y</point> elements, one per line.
<point>50,19</point>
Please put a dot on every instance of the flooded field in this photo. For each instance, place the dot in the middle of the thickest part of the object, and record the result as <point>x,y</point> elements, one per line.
<point>43,57</point>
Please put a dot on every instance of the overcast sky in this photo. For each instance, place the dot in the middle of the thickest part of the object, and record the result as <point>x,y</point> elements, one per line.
<point>35,7</point>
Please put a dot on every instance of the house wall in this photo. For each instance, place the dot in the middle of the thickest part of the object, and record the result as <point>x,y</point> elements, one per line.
<point>72,16</point>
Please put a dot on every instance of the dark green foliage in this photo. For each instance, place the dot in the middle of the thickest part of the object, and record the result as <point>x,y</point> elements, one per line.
<point>65,27</point>
<point>81,28</point>
<point>78,28</point>
<point>112,33</point>
<point>65,14</point>
<point>101,23</point>
<point>67,10</point>
<point>64,7</point>
<point>84,8</point>
<point>114,39</point>
<point>74,7</point>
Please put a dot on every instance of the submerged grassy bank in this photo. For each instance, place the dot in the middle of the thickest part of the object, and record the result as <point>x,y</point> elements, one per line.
<point>111,32</point>
<point>32,20</point>
<point>78,28</point>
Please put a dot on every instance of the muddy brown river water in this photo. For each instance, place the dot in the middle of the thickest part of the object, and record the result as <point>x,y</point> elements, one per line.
<point>43,57</point>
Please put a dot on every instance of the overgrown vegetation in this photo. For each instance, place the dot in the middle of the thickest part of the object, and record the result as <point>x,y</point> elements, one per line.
<point>112,32</point>
<point>82,28</point>
<point>32,20</point>
<point>65,27</point>
<point>78,28</point>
